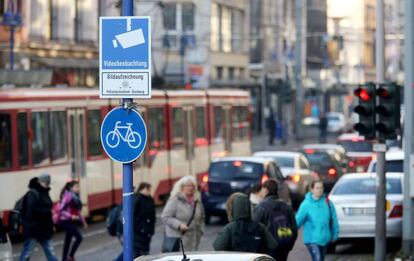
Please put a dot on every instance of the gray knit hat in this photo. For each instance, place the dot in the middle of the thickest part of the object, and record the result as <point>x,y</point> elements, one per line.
<point>45,178</point>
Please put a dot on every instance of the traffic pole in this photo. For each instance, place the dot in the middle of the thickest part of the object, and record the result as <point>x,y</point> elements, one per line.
<point>127,175</point>
<point>380,148</point>
<point>408,144</point>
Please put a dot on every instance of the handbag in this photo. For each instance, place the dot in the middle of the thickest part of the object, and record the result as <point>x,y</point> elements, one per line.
<point>172,244</point>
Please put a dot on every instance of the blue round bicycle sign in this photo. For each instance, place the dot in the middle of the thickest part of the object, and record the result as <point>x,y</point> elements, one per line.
<point>123,134</point>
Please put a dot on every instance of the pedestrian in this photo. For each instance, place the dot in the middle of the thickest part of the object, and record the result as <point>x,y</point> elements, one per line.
<point>323,128</point>
<point>144,221</point>
<point>70,217</point>
<point>183,216</point>
<point>255,196</point>
<point>37,218</point>
<point>242,233</point>
<point>279,219</point>
<point>271,127</point>
<point>318,217</point>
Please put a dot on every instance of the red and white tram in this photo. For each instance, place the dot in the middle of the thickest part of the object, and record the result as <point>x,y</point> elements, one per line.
<point>57,131</point>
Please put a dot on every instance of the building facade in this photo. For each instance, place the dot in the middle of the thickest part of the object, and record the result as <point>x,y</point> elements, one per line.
<point>57,37</point>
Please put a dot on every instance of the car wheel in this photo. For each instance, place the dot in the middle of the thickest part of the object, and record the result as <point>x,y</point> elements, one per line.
<point>207,219</point>
<point>331,248</point>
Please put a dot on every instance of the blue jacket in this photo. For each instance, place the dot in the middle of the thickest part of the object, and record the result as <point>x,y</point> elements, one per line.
<point>315,217</point>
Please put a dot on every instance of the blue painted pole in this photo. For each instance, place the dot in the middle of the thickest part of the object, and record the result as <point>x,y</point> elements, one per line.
<point>127,180</point>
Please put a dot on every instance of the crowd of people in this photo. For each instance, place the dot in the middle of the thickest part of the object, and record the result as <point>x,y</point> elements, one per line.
<point>259,222</point>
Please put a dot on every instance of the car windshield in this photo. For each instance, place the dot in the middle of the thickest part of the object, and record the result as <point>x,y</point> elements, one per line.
<point>284,162</point>
<point>333,118</point>
<point>356,146</point>
<point>319,158</point>
<point>231,170</point>
<point>391,166</point>
<point>365,186</point>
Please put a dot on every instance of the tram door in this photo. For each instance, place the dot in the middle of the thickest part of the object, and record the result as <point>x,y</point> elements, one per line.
<point>189,137</point>
<point>77,150</point>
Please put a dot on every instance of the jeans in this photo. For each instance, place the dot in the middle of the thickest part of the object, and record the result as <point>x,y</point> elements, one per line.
<point>71,231</point>
<point>30,243</point>
<point>317,252</point>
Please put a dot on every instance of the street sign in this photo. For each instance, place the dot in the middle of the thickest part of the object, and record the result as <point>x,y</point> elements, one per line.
<point>125,57</point>
<point>123,134</point>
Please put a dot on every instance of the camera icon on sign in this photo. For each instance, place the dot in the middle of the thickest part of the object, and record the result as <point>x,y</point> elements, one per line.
<point>129,39</point>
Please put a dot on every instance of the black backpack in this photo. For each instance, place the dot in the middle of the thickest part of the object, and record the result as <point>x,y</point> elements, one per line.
<point>113,221</point>
<point>279,224</point>
<point>248,236</point>
<point>19,211</point>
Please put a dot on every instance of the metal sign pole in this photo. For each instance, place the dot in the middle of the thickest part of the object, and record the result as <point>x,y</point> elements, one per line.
<point>127,176</point>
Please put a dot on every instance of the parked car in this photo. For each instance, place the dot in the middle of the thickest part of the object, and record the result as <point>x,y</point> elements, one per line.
<point>326,165</point>
<point>394,161</point>
<point>236,174</point>
<point>296,170</point>
<point>348,166</point>
<point>336,122</point>
<point>357,149</point>
<point>207,256</point>
<point>354,200</point>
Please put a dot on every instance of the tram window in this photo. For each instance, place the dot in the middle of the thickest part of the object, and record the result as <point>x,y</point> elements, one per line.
<point>23,139</point>
<point>218,124</point>
<point>94,123</point>
<point>58,134</point>
<point>200,126</point>
<point>156,127</point>
<point>40,143</point>
<point>177,126</point>
<point>5,141</point>
<point>240,122</point>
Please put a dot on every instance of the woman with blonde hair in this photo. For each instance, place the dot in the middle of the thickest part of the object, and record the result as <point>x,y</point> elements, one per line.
<point>183,216</point>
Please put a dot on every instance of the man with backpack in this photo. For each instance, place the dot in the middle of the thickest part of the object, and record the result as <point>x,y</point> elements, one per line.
<point>279,219</point>
<point>36,217</point>
<point>242,234</point>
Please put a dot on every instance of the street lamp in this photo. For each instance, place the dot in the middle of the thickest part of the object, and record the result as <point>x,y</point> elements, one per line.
<point>12,19</point>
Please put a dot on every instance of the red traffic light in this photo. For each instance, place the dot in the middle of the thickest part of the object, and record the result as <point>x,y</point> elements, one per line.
<point>383,93</point>
<point>363,94</point>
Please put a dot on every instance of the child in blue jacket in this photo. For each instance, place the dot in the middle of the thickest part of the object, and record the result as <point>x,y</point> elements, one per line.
<point>320,225</point>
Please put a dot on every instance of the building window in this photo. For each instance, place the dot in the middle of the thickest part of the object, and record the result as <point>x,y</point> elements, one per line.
<point>178,19</point>
<point>219,72</point>
<point>5,141</point>
<point>58,141</point>
<point>23,139</point>
<point>94,132</point>
<point>226,28</point>
<point>241,73</point>
<point>231,73</point>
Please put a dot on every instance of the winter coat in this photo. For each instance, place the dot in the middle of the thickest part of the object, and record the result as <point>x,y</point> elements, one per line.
<point>239,233</point>
<point>70,206</point>
<point>262,213</point>
<point>178,211</point>
<point>320,225</point>
<point>37,218</point>
<point>144,216</point>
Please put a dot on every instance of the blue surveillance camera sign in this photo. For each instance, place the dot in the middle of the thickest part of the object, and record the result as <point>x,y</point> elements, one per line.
<point>125,57</point>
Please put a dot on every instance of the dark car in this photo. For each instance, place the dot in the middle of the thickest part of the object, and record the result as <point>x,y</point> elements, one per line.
<point>326,165</point>
<point>236,174</point>
<point>338,151</point>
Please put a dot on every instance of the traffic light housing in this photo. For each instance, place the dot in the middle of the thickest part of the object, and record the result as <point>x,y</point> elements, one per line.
<point>388,111</point>
<point>366,110</point>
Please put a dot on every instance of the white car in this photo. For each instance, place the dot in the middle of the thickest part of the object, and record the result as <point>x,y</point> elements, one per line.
<point>354,199</point>
<point>207,256</point>
<point>295,168</point>
<point>336,122</point>
<point>394,161</point>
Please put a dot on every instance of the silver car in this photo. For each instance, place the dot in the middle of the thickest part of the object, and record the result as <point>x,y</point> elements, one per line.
<point>354,199</point>
<point>207,256</point>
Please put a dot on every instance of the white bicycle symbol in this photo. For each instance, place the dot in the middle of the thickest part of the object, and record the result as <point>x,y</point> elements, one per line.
<point>131,137</point>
